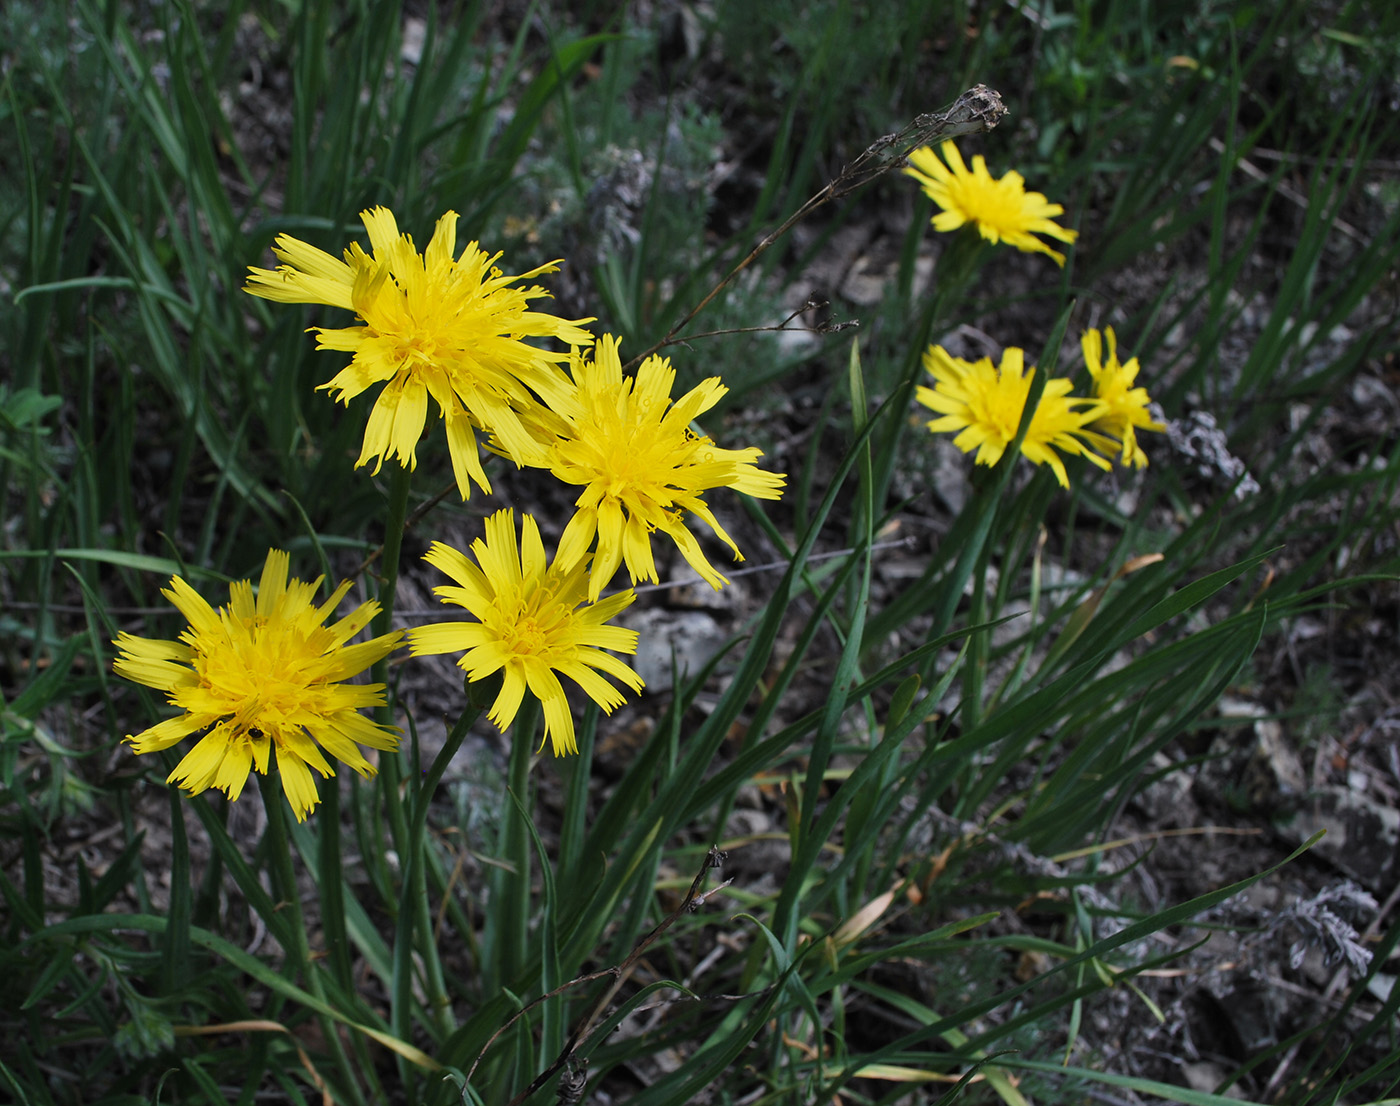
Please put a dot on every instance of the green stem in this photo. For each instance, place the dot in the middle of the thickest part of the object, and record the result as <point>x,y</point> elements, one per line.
<point>390,766</point>
<point>399,481</point>
<point>284,887</point>
<point>975,668</point>
<point>284,880</point>
<point>416,877</point>
<point>513,882</point>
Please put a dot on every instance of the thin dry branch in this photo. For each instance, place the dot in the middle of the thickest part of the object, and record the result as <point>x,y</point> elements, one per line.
<point>977,110</point>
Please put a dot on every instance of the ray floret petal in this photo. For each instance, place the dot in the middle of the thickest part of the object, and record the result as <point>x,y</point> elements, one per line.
<point>533,624</point>
<point>1000,208</point>
<point>1123,407</point>
<point>436,325</point>
<point>641,467</point>
<point>261,675</point>
<point>982,404</point>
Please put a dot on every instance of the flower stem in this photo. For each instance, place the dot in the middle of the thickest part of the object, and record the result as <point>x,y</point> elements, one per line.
<point>399,481</point>
<point>284,886</point>
<point>390,767</point>
<point>284,880</point>
<point>511,882</point>
<point>416,877</point>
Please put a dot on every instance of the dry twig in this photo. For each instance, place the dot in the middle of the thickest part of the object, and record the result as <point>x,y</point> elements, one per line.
<point>977,110</point>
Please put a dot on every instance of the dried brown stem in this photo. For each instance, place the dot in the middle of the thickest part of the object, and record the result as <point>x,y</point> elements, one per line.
<point>977,110</point>
<point>812,304</point>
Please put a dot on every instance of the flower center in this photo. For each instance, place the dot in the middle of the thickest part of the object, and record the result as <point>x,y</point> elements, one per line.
<point>1000,411</point>
<point>418,346</point>
<point>634,461</point>
<point>989,206</point>
<point>526,638</point>
<point>258,676</point>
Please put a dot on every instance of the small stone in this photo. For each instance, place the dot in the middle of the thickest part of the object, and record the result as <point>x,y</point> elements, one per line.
<point>694,637</point>
<point>1362,835</point>
<point>1205,1075</point>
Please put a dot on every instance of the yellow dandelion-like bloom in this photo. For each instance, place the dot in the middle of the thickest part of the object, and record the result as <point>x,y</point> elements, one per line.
<point>266,674</point>
<point>1002,210</point>
<point>641,467</point>
<point>453,328</point>
<point>531,625</point>
<point>1122,407</point>
<point>984,404</point>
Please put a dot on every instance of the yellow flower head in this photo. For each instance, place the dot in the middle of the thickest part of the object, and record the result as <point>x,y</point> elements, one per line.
<point>265,674</point>
<point>529,625</point>
<point>452,328</point>
<point>984,405</point>
<point>1122,408</point>
<point>1002,210</point>
<point>641,467</point>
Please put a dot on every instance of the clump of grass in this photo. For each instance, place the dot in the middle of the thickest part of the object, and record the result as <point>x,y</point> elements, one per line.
<point>930,745</point>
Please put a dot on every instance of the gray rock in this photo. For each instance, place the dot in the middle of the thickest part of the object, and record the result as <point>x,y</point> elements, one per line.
<point>1362,835</point>
<point>694,637</point>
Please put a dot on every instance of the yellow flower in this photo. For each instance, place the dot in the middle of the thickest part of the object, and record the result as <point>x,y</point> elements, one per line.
<point>434,325</point>
<point>265,674</point>
<point>1002,210</point>
<point>984,404</point>
<point>530,625</point>
<point>641,467</point>
<point>1122,408</point>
